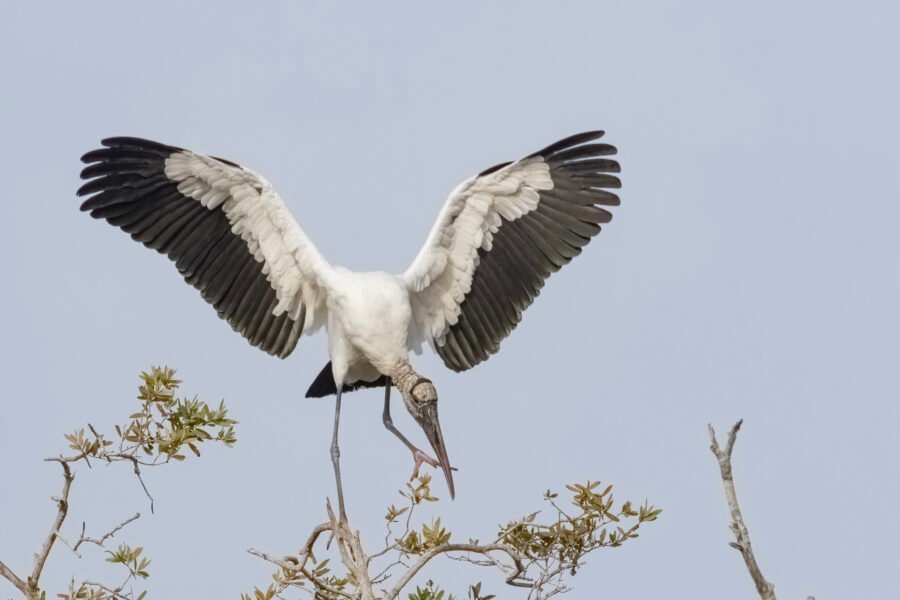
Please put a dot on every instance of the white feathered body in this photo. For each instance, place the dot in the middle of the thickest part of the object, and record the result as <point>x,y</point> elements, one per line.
<point>368,323</point>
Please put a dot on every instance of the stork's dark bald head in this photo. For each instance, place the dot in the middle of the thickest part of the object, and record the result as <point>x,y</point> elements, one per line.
<point>421,400</point>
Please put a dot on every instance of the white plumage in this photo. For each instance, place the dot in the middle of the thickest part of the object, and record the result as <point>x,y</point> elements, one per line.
<point>441,275</point>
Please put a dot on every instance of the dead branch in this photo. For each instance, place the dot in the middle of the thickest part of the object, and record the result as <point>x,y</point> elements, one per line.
<point>12,577</point>
<point>352,555</point>
<point>62,509</point>
<point>111,457</point>
<point>137,473</point>
<point>83,539</point>
<point>738,527</point>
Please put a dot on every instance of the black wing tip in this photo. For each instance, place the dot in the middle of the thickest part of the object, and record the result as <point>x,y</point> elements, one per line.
<point>611,199</point>
<point>109,154</point>
<point>589,136</point>
<point>569,142</point>
<point>137,143</point>
<point>126,143</point>
<point>87,206</point>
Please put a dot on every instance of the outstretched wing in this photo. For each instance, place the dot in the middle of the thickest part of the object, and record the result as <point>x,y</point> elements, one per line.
<point>225,227</point>
<point>499,236</point>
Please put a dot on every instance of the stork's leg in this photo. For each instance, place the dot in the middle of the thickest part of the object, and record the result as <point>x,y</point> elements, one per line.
<point>418,455</point>
<point>336,456</point>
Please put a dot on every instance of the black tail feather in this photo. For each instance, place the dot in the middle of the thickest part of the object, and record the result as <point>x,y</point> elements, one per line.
<point>324,384</point>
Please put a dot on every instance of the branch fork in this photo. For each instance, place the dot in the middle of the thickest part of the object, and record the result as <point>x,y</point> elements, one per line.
<point>742,543</point>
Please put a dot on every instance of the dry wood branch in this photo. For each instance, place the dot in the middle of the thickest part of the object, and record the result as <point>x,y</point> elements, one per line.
<point>352,554</point>
<point>31,586</point>
<point>83,539</point>
<point>14,579</point>
<point>137,473</point>
<point>111,457</point>
<point>513,576</point>
<point>114,594</point>
<point>307,551</point>
<point>738,527</point>
<point>62,509</point>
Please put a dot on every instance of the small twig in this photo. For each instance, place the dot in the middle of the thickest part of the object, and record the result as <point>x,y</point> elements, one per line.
<point>12,577</point>
<point>99,542</point>
<point>382,552</point>
<point>137,472</point>
<point>115,594</point>
<point>114,457</point>
<point>66,543</point>
<point>742,535</point>
<point>384,575</point>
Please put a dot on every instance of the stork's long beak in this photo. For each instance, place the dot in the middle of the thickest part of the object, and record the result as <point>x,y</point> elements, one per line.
<point>432,428</point>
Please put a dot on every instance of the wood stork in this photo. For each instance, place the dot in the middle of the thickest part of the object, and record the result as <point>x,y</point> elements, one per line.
<point>499,235</point>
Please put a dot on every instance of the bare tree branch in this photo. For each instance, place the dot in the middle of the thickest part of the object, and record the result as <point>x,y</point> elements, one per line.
<point>137,473</point>
<point>62,509</point>
<point>110,457</point>
<point>12,577</point>
<point>352,554</point>
<point>109,533</point>
<point>738,527</point>
<point>82,539</point>
<point>513,576</point>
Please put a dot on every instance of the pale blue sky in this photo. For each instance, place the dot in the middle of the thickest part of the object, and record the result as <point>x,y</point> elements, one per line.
<point>750,272</point>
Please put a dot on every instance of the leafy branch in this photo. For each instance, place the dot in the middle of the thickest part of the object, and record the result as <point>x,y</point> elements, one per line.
<point>532,553</point>
<point>156,434</point>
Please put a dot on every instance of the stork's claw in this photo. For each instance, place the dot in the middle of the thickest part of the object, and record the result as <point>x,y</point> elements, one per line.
<point>341,531</point>
<point>421,457</point>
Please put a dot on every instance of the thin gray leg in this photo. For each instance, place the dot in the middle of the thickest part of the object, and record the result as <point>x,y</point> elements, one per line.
<point>419,456</point>
<point>336,455</point>
<point>389,423</point>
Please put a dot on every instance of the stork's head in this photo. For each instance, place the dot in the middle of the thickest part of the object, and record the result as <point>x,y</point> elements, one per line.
<point>421,402</point>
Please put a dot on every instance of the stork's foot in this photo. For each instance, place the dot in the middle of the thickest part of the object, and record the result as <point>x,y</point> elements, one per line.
<point>340,531</point>
<point>343,529</point>
<point>420,458</point>
<point>340,528</point>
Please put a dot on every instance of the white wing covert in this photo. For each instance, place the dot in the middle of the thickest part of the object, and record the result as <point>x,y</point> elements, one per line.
<point>497,239</point>
<point>229,233</point>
